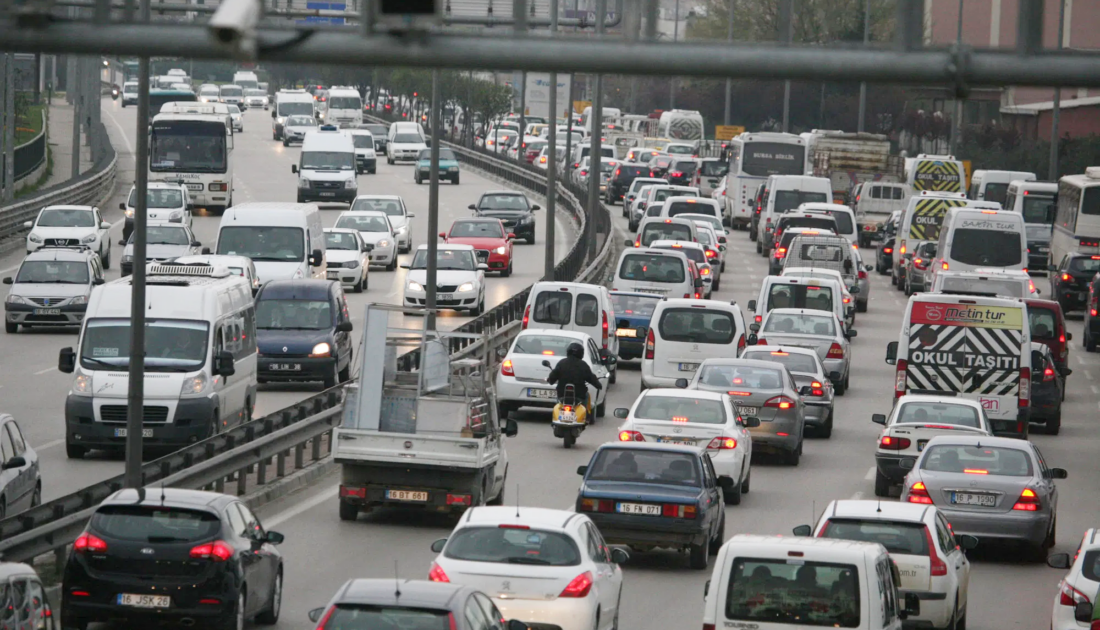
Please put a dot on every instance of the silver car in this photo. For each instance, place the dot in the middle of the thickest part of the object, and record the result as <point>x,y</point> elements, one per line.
<point>764,390</point>
<point>52,288</point>
<point>20,477</point>
<point>990,487</point>
<point>863,281</point>
<point>296,127</point>
<point>814,385</point>
<point>918,274</point>
<point>810,328</point>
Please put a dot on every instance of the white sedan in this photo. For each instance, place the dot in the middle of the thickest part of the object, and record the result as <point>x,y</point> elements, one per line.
<point>521,381</point>
<point>398,213</point>
<point>70,226</point>
<point>376,231</point>
<point>346,258</point>
<point>550,568</point>
<point>459,282</point>
<point>695,418</point>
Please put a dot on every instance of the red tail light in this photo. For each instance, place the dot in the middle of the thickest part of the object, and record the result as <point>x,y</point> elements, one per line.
<point>526,316</point>
<point>650,344</point>
<point>944,266</point>
<point>1028,501</point>
<point>217,551</point>
<point>631,436</point>
<point>939,567</point>
<point>506,368</point>
<point>780,252</point>
<point>596,505</point>
<point>760,341</point>
<point>919,494</point>
<point>579,587</point>
<point>899,378</point>
<point>723,443</point>
<point>675,174</point>
<point>437,574</point>
<point>892,443</point>
<point>1048,375</point>
<point>675,510</point>
<point>862,274</point>
<point>89,543</point>
<point>835,352</point>
<point>1025,387</point>
<point>780,402</point>
<point>818,388</point>
<point>617,171</point>
<point>711,253</point>
<point>1066,277</point>
<point>740,344</point>
<point>605,330</point>
<point>887,250</point>
<point>920,263</point>
<point>1071,596</point>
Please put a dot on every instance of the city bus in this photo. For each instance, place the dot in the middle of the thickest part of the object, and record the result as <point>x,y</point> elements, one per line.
<point>1077,219</point>
<point>195,149</point>
<point>753,157</point>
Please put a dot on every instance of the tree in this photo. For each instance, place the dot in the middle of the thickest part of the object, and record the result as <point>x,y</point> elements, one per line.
<point>814,21</point>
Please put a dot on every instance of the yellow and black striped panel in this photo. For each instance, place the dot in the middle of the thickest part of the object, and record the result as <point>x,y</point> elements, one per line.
<point>928,217</point>
<point>938,176</point>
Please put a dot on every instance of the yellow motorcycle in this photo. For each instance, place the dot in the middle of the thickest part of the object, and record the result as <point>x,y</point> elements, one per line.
<point>570,418</point>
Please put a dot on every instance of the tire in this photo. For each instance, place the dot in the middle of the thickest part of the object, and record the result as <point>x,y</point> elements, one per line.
<point>826,430</point>
<point>568,440</point>
<point>840,387</point>
<point>331,380</point>
<point>732,497</point>
<point>745,483</point>
<point>531,239</point>
<point>270,616</point>
<point>614,376</point>
<point>699,556</point>
<point>503,410</point>
<point>348,511</point>
<point>1090,343</point>
<point>11,328</point>
<point>358,286</point>
<point>393,264</point>
<point>36,498</point>
<point>861,307</point>
<point>345,374</point>
<point>601,409</point>
<point>719,538</point>
<point>455,180</point>
<point>235,620</point>
<point>908,288</point>
<point>792,458</point>
<point>759,247</point>
<point>75,451</point>
<point>717,285</point>
<point>106,260</point>
<point>752,235</point>
<point>882,484</point>
<point>1054,424</point>
<point>893,280</point>
<point>285,143</point>
<point>507,271</point>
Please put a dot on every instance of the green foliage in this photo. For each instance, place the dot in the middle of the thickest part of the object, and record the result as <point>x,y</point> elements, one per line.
<point>814,21</point>
<point>992,146</point>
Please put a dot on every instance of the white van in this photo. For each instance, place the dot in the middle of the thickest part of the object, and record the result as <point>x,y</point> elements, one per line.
<point>200,360</point>
<point>786,193</point>
<point>246,79</point>
<point>993,185</point>
<point>972,239</point>
<point>284,240</point>
<point>845,219</point>
<point>874,203</point>
<point>1036,202</point>
<point>691,205</point>
<point>326,167</point>
<point>585,308</point>
<point>783,582</point>
<point>822,294</point>
<point>405,142</point>
<point>684,333</point>
<point>921,224</point>
<point>663,272</point>
<point>289,103</point>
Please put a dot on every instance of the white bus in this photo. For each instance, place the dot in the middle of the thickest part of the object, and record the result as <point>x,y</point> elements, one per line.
<point>195,149</point>
<point>345,107</point>
<point>1077,220</point>
<point>681,124</point>
<point>753,157</point>
<point>247,80</point>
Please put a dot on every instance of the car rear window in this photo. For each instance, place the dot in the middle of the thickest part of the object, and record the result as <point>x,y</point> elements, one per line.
<point>677,409</point>
<point>588,310</point>
<point>821,253</point>
<point>686,207</point>
<point>715,168</point>
<point>740,376</point>
<point>1090,565</point>
<point>665,193</point>
<point>978,460</point>
<point>634,305</point>
<point>974,286</point>
<point>822,223</point>
<point>155,524</point>
<point>652,268</point>
<point>508,545</point>
<point>986,248</point>
<point>903,538</point>
<point>550,345</point>
<point>800,296</point>
<point>787,200</point>
<point>795,362</point>
<point>1042,322</point>
<point>366,617</point>
<point>796,593</point>
<point>843,221</point>
<point>1087,265</point>
<point>793,323</point>
<point>665,232</point>
<point>697,325</point>
<point>628,171</point>
<point>553,307</point>
<point>645,466</point>
<point>694,255</point>
<point>937,413</point>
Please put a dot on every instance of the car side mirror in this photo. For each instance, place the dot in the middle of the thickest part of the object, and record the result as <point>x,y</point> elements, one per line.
<point>628,243</point>
<point>754,327</point>
<point>966,542</point>
<point>122,207</point>
<point>1069,336</point>
<point>9,280</point>
<point>15,462</point>
<point>751,422</point>
<point>483,266</point>
<point>206,251</point>
<point>99,281</point>
<point>511,236</point>
<point>536,207</point>
<point>1059,561</point>
<point>907,463</point>
<point>1066,371</point>
<point>681,383</point>
<point>752,339</point>
<point>275,538</point>
<point>1083,612</point>
<point>516,624</point>
<point>443,235</point>
<point>104,225</point>
<point>1058,473</point>
<point>472,207</point>
<point>619,556</point>
<point>344,327</point>
<point>293,168</point>
<point>66,360</point>
<point>122,242</point>
<point>510,428</point>
<point>752,305</point>
<point>1052,267</point>
<point>439,544</point>
<point>315,614</point>
<point>892,352</point>
<point>912,606</point>
<point>621,413</point>
<point>195,243</point>
<point>582,470</point>
<point>316,258</point>
<point>879,418</point>
<point>273,116</point>
<point>28,224</point>
<point>854,290</point>
<point>851,334</point>
<point>802,530</point>
<point>223,364</point>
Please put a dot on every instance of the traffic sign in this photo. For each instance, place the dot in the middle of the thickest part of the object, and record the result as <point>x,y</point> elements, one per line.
<point>727,132</point>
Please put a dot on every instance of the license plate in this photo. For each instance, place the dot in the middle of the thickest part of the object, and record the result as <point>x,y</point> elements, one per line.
<point>328,194</point>
<point>445,296</point>
<point>689,367</point>
<point>406,495</point>
<point>333,274</point>
<point>144,601</point>
<point>676,440</point>
<point>541,393</point>
<point>197,187</point>
<point>965,498</point>
<point>638,508</point>
<point>47,311</point>
<point>626,332</point>
<point>286,367</point>
<point>921,444</point>
<point>145,433</point>
<point>748,411</point>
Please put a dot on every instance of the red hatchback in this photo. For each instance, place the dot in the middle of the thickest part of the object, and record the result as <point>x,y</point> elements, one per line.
<point>491,242</point>
<point>1048,327</point>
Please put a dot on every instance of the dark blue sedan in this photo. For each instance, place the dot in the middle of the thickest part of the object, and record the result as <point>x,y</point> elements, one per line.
<point>303,332</point>
<point>632,314</point>
<point>655,496</point>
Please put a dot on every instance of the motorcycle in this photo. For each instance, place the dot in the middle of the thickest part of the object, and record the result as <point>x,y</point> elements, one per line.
<point>569,418</point>
<point>114,93</point>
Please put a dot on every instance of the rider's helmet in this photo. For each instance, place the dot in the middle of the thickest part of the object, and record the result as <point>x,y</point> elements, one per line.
<point>575,350</point>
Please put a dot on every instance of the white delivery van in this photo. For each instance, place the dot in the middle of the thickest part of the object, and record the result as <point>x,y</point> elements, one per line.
<point>289,103</point>
<point>921,224</point>
<point>1036,202</point>
<point>246,79</point>
<point>585,308</point>
<point>993,185</point>
<point>663,272</point>
<point>200,360</point>
<point>405,142</point>
<point>326,167</point>
<point>684,333</point>
<point>231,94</point>
<point>785,583</point>
<point>786,193</point>
<point>874,203</point>
<point>345,107</point>
<point>973,239</point>
<point>968,346</point>
<point>285,240</point>
<point>822,294</point>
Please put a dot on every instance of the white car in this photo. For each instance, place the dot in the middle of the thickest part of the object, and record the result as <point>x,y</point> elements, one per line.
<point>346,258</point>
<point>929,556</point>
<point>550,568</point>
<point>1079,585</point>
<point>166,203</point>
<point>296,127</point>
<point>256,99</point>
<point>72,226</point>
<point>398,213</point>
<point>697,418</point>
<point>376,231</point>
<point>460,279</point>
<point>164,241</point>
<point>521,381</point>
<point>237,118</point>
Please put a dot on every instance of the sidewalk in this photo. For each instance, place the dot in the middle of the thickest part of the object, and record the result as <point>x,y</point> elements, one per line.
<point>59,136</point>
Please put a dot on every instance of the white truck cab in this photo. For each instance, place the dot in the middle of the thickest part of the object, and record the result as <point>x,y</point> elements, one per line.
<point>327,167</point>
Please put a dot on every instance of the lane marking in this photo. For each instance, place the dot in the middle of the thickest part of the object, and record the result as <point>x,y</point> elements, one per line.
<point>1088,374</point>
<point>50,444</point>
<point>41,372</point>
<point>870,474</point>
<point>121,130</point>
<point>1096,389</point>
<point>318,499</point>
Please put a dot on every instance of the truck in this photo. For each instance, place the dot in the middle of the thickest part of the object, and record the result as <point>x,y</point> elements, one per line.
<point>423,434</point>
<point>848,159</point>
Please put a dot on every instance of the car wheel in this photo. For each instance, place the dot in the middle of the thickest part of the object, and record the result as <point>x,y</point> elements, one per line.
<point>699,556</point>
<point>531,239</point>
<point>358,286</point>
<point>507,270</point>
<point>759,247</point>
<point>234,620</point>
<point>601,409</point>
<point>345,374</point>
<point>1054,423</point>
<point>613,377</point>
<point>75,451</point>
<point>746,482</point>
<point>393,264</point>
<point>794,456</point>
<point>270,616</point>
<point>1090,343</point>
<point>36,498</point>
<point>882,484</point>
<point>861,307</point>
<point>732,496</point>
<point>826,430</point>
<point>11,328</point>
<point>893,280</point>
<point>455,180</point>
<point>719,538</point>
<point>348,511</point>
<point>106,260</point>
<point>285,143</point>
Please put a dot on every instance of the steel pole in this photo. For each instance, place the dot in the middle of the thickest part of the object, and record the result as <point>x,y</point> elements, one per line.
<point>433,207</point>
<point>7,117</point>
<point>568,161</point>
<point>521,149</point>
<point>1055,112</point>
<point>786,27</point>
<point>74,84</point>
<point>861,125</point>
<point>552,163</point>
<point>729,81</point>
<point>675,38</point>
<point>595,153</point>
<point>956,124</point>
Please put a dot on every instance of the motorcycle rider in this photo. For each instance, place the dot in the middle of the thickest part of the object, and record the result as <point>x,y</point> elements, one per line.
<point>572,370</point>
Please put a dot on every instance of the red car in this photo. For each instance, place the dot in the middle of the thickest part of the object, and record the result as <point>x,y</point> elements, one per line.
<point>489,239</point>
<point>1048,327</point>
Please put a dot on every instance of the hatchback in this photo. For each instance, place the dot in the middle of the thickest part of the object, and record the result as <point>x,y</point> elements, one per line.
<point>633,313</point>
<point>1070,280</point>
<point>815,387</point>
<point>621,179</point>
<point>810,328</point>
<point>1080,584</point>
<point>20,475</point>
<point>1048,388</point>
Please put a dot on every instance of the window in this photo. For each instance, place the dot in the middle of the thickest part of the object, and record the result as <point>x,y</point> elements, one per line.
<point>17,439</point>
<point>369,617</point>
<point>594,552</point>
<point>37,604</point>
<point>938,413</point>
<point>654,467</point>
<point>553,307</point>
<point>886,593</point>
<point>983,460</point>
<point>876,192</point>
<point>476,618</point>
<point>805,594</point>
<point>986,248</point>
<point>1090,201</point>
<point>800,296</point>
<point>681,410</point>
<point>496,620</point>
<point>947,539</point>
<point>7,449</point>
<point>897,537</point>
<point>251,521</point>
<point>236,521</point>
<point>142,523</point>
<point>588,310</point>
<point>512,546</point>
<point>843,221</point>
<point>1043,325</point>
<point>787,200</point>
<point>652,268</point>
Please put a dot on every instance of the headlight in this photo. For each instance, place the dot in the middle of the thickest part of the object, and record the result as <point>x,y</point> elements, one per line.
<point>15,299</point>
<point>321,350</point>
<point>194,385</point>
<point>369,153</point>
<point>127,258</point>
<point>177,215</point>
<point>416,286</point>
<point>527,218</point>
<point>303,182</point>
<point>402,229</point>
<point>501,250</point>
<point>465,286</point>
<point>453,169</point>
<point>383,243</point>
<point>78,300</point>
<point>350,183</point>
<point>34,238</point>
<point>280,120</point>
<point>89,239</point>
<point>129,213</point>
<point>82,384</point>
<point>352,264</point>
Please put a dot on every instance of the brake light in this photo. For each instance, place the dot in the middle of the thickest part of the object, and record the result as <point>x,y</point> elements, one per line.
<point>89,543</point>
<point>945,266</point>
<point>1071,596</point>
<point>674,510</point>
<point>817,389</point>
<point>899,378</point>
<point>526,316</point>
<point>506,368</point>
<point>902,250</point>
<point>1066,277</point>
<point>892,443</point>
<point>675,174</point>
<point>596,505</point>
<point>759,318</point>
<point>217,551</point>
<point>760,341</point>
<point>780,252</point>
<point>835,352</point>
<point>631,436</point>
<point>650,344</point>
<point>710,253</point>
<point>920,263</point>
<point>437,574</point>
<point>1025,387</point>
<point>887,250</point>
<point>617,171</point>
<point>1048,375</point>
<point>705,271</point>
<point>740,344</point>
<point>605,330</point>
<point>862,274</point>
<point>579,587</point>
<point>722,443</point>
<point>939,567</point>
<point>1028,501</point>
<point>780,402</point>
<point>919,494</point>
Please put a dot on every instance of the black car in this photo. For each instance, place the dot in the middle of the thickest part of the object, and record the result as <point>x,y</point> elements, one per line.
<point>416,604</point>
<point>758,206</point>
<point>381,135</point>
<point>1092,321</point>
<point>1048,388</point>
<point>884,256</point>
<point>682,172</point>
<point>653,496</point>
<point>660,165</point>
<point>303,332</point>
<point>621,178</point>
<point>512,208</point>
<point>167,554</point>
<point>1070,279</point>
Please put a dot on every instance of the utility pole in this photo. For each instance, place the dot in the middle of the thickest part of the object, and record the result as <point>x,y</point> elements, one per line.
<point>786,32</point>
<point>861,126</point>
<point>552,162</point>
<point>433,208</point>
<point>1055,112</point>
<point>595,153</point>
<point>675,38</point>
<point>956,124</point>
<point>74,84</point>
<point>729,81</point>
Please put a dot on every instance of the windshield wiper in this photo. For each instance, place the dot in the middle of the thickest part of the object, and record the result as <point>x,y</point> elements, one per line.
<point>104,363</point>
<point>272,259</point>
<point>48,282</point>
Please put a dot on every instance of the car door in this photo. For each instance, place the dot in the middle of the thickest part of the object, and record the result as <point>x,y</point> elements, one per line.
<point>1045,480</point>
<point>101,233</point>
<point>476,618</point>
<point>13,481</point>
<point>599,369</point>
<point>343,339</point>
<point>261,570</point>
<point>28,474</point>
<point>715,502</point>
<point>492,613</point>
<point>604,571</point>
<point>955,558</point>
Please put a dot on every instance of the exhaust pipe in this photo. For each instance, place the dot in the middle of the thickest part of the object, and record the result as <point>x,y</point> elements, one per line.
<point>187,622</point>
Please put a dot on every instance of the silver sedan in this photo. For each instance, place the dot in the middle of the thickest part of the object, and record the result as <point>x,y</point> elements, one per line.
<point>811,328</point>
<point>811,379</point>
<point>990,487</point>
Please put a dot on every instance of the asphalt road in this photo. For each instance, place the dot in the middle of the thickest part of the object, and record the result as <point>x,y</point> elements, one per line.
<point>321,552</point>
<point>33,390</point>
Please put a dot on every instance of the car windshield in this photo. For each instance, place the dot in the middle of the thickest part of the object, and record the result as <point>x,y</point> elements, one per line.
<point>53,272</point>
<point>939,414</point>
<point>787,200</point>
<point>680,149</point>
<point>476,229</point>
<point>797,593</point>
<point>714,168</point>
<point>661,231</point>
<point>391,207</point>
<point>740,377</point>
<point>677,409</point>
<point>817,298</point>
<point>327,161</point>
<point>1086,264</point>
<point>1039,208</point>
<point>255,93</point>
<point>1008,287</point>
<point>363,141</point>
<point>364,223</point>
<point>550,345</point>
<point>231,90</point>
<point>130,88</point>
<point>904,538</point>
<point>289,109</point>
<point>61,217</point>
<point>444,154</point>
<point>165,235</point>
<point>408,138</point>
<point>793,361</point>
<point>263,244</point>
<point>665,193</point>
<point>345,102</point>
<point>634,306</point>
<point>293,314</point>
<point>341,240</point>
<point>453,259</point>
<point>977,460</point>
<point>792,323</point>
<point>645,466</point>
<point>697,325</point>
<point>512,545</point>
<point>154,524</point>
<point>503,202</point>
<point>986,248</point>
<point>171,345</point>
<point>695,255</point>
<point>301,121</point>
<point>158,198</point>
<point>368,617</point>
<point>652,268</point>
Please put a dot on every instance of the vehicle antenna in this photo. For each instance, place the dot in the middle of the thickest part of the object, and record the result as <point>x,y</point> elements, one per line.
<point>517,500</point>
<point>162,493</point>
<point>879,509</point>
<point>396,581</point>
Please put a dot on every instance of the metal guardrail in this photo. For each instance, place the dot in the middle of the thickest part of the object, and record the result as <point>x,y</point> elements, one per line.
<point>31,155</point>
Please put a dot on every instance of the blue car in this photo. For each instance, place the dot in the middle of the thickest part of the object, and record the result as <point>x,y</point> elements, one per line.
<point>632,314</point>
<point>656,496</point>
<point>448,166</point>
<point>303,332</point>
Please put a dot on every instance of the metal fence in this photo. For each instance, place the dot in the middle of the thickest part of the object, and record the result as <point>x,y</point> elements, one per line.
<point>30,155</point>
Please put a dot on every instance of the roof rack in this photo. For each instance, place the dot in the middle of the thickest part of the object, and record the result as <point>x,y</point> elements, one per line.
<point>193,269</point>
